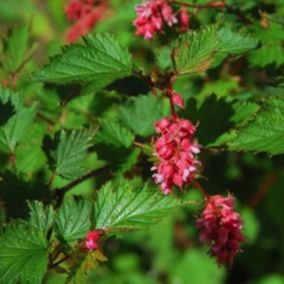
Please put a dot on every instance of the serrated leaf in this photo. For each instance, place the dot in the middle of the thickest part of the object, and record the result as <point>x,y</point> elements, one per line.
<point>71,150</point>
<point>23,254</point>
<point>16,128</point>
<point>198,51</point>
<point>98,63</point>
<point>194,51</point>
<point>112,133</point>
<point>265,133</point>
<point>232,43</point>
<point>268,55</point>
<point>73,219</point>
<point>130,205</point>
<point>41,217</point>
<point>218,119</point>
<point>141,113</point>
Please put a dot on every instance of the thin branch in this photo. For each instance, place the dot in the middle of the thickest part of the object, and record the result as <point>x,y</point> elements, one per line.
<point>201,189</point>
<point>217,5</point>
<point>212,5</point>
<point>53,265</point>
<point>266,184</point>
<point>60,192</point>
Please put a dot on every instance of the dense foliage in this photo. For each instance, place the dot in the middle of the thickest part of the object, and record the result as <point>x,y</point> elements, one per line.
<point>138,141</point>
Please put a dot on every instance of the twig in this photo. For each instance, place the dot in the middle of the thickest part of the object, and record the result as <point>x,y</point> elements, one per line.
<point>201,189</point>
<point>264,187</point>
<point>60,192</point>
<point>53,265</point>
<point>212,5</point>
<point>217,5</point>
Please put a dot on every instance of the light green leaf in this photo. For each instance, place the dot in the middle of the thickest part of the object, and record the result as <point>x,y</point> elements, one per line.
<point>70,152</point>
<point>16,128</point>
<point>130,205</point>
<point>96,64</point>
<point>265,133</point>
<point>198,51</point>
<point>17,45</point>
<point>41,217</point>
<point>141,113</point>
<point>112,133</point>
<point>23,254</point>
<point>73,219</point>
<point>194,51</point>
<point>232,43</point>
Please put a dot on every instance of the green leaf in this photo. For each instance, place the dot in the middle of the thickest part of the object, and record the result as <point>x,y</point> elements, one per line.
<point>265,133</point>
<point>194,51</point>
<point>130,205</point>
<point>98,63</point>
<point>232,43</point>
<point>141,113</point>
<point>23,254</point>
<point>267,55</point>
<point>112,133</point>
<point>71,150</point>
<point>73,221</point>
<point>17,45</point>
<point>41,217</point>
<point>16,128</point>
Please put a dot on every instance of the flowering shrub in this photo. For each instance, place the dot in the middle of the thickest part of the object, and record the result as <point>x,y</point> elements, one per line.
<point>151,112</point>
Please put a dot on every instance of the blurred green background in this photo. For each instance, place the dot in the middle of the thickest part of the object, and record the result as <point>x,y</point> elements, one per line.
<point>170,252</point>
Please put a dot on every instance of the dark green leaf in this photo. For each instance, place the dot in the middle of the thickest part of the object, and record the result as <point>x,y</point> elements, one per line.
<point>265,133</point>
<point>141,114</point>
<point>98,63</point>
<point>71,150</point>
<point>73,219</point>
<point>131,205</point>
<point>23,254</point>
<point>41,217</point>
<point>112,133</point>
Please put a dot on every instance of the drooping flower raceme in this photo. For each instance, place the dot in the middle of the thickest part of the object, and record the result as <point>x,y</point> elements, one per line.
<point>153,15</point>
<point>85,14</point>
<point>92,239</point>
<point>176,151</point>
<point>220,227</point>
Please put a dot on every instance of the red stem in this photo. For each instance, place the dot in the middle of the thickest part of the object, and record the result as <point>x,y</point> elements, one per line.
<point>201,189</point>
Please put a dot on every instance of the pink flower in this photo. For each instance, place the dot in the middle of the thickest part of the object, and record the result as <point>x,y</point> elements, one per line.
<point>176,151</point>
<point>92,238</point>
<point>85,13</point>
<point>177,99</point>
<point>220,227</point>
<point>183,19</point>
<point>152,16</point>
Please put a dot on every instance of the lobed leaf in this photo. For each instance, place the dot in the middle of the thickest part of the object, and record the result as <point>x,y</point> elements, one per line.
<point>96,64</point>
<point>265,133</point>
<point>41,217</point>
<point>140,114</point>
<point>130,205</point>
<point>113,133</point>
<point>72,220</point>
<point>71,150</point>
<point>23,254</point>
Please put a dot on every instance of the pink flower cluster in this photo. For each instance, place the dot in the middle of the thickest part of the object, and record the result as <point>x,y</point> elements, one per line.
<point>220,227</point>
<point>176,152</point>
<point>154,14</point>
<point>85,14</point>
<point>92,239</point>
